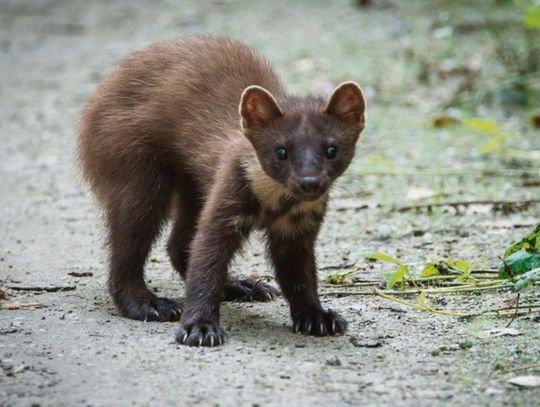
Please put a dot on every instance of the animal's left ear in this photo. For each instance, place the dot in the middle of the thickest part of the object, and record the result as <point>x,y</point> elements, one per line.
<point>348,104</point>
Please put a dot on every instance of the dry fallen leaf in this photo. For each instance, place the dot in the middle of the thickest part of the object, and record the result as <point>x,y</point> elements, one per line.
<point>536,121</point>
<point>445,121</point>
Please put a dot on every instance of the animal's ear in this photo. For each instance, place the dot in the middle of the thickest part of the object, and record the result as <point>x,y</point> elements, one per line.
<point>348,104</point>
<point>258,107</point>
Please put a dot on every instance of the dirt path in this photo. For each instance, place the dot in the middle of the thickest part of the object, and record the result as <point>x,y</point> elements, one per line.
<point>78,351</point>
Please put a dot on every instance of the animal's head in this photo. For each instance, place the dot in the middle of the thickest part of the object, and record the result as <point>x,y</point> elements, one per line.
<point>304,143</point>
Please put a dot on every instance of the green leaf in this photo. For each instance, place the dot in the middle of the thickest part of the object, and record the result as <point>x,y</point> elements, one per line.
<point>429,270</point>
<point>397,276</point>
<point>531,21</point>
<point>383,257</point>
<point>486,126</point>
<point>519,263</point>
<point>530,243</point>
<point>527,279</point>
<point>460,265</point>
<point>492,145</point>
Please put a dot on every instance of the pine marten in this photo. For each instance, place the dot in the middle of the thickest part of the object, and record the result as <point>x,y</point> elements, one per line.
<point>201,129</point>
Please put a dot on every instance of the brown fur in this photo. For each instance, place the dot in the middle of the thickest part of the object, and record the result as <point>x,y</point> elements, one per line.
<point>163,136</point>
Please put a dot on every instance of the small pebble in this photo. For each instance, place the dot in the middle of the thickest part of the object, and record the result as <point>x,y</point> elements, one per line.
<point>333,361</point>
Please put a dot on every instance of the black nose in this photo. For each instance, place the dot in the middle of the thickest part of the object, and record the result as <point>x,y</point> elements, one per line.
<point>309,184</point>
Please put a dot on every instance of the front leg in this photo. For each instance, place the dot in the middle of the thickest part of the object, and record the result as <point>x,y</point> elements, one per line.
<point>217,239</point>
<point>296,271</point>
<point>211,251</point>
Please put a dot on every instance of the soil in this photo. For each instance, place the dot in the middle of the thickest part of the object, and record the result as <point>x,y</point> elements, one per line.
<point>414,59</point>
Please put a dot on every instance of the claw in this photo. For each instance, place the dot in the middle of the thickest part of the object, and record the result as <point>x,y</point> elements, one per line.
<point>308,327</point>
<point>211,341</point>
<point>155,313</point>
<point>269,296</point>
<point>321,327</point>
<point>296,327</point>
<point>333,326</point>
<point>200,340</point>
<point>184,338</point>
<point>220,340</point>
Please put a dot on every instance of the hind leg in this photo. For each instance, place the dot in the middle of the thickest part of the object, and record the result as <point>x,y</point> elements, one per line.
<point>187,206</point>
<point>250,289</point>
<point>135,217</point>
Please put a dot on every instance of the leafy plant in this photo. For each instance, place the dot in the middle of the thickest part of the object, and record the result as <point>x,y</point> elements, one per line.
<point>530,243</point>
<point>453,276</point>
<point>522,256</point>
<point>519,263</point>
<point>402,274</point>
<point>531,20</point>
<point>396,277</point>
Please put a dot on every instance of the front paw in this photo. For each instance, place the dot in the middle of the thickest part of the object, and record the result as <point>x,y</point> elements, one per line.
<point>319,322</point>
<point>202,332</point>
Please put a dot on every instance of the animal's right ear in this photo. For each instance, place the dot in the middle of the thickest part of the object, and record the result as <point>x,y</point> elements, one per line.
<point>258,108</point>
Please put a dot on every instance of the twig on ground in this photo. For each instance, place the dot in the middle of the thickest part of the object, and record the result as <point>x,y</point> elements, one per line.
<point>419,307</point>
<point>50,289</point>
<point>509,309</point>
<point>352,207</point>
<point>497,312</point>
<point>516,307</point>
<point>486,271</point>
<point>358,284</point>
<point>503,205</point>
<point>81,274</point>
<point>338,266</point>
<point>16,305</point>
<point>430,172</point>
<point>489,285</point>
<point>517,369</point>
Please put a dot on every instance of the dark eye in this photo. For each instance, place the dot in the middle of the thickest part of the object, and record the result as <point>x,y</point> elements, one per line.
<point>281,153</point>
<point>331,152</point>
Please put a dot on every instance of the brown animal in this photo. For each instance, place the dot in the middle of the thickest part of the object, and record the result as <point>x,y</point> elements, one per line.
<point>202,129</point>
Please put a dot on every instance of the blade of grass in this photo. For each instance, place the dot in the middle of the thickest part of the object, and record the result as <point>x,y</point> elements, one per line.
<point>418,307</point>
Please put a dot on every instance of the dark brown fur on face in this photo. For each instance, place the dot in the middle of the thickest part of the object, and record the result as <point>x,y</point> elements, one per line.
<point>200,129</point>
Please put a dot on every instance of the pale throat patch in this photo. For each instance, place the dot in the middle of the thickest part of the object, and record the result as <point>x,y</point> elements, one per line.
<point>268,191</point>
<point>271,196</point>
